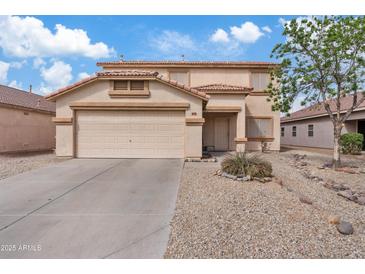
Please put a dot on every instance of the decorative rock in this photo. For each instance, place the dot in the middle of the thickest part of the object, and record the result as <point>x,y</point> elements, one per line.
<point>229,176</point>
<point>346,170</point>
<point>361,200</point>
<point>333,219</point>
<point>345,228</point>
<point>346,194</point>
<point>278,181</point>
<point>267,179</point>
<point>305,200</point>
<point>261,180</point>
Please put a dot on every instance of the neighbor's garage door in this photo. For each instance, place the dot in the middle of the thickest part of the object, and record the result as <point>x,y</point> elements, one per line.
<point>130,134</point>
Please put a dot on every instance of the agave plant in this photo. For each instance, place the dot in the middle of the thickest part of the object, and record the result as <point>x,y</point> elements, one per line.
<point>243,164</point>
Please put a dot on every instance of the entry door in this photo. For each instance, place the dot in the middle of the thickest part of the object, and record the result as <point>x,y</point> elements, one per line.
<point>361,129</point>
<point>221,134</point>
<point>130,134</point>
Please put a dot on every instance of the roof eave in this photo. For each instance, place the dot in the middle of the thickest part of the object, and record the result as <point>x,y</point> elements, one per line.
<point>183,65</point>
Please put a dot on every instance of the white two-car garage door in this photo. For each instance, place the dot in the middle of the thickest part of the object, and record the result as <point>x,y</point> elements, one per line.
<point>130,134</point>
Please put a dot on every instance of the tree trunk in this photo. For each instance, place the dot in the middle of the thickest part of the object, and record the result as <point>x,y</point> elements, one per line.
<point>336,162</point>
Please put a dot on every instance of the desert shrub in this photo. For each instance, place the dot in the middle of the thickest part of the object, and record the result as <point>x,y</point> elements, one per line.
<point>351,143</point>
<point>245,164</point>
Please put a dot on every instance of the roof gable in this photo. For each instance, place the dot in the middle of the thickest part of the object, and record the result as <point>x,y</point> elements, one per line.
<point>127,75</point>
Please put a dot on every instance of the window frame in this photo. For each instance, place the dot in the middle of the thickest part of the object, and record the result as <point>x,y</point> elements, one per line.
<point>120,93</point>
<point>294,131</point>
<point>282,131</point>
<point>310,131</point>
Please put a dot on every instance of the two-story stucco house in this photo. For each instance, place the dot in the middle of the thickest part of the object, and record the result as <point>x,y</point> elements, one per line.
<point>166,109</point>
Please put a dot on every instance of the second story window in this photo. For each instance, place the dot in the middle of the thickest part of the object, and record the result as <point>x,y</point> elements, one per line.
<point>182,77</point>
<point>121,85</point>
<point>129,85</point>
<point>260,80</point>
<point>294,131</point>
<point>310,130</point>
<point>137,85</point>
<point>282,131</point>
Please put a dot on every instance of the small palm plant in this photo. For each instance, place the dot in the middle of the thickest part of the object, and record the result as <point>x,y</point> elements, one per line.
<point>243,164</point>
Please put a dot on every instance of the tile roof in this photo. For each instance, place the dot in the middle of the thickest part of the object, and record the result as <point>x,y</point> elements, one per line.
<point>223,88</point>
<point>133,73</point>
<point>129,73</point>
<point>16,97</point>
<point>319,110</point>
<point>188,63</point>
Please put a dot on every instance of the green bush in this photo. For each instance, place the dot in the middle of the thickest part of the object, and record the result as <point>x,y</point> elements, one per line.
<point>244,164</point>
<point>351,143</point>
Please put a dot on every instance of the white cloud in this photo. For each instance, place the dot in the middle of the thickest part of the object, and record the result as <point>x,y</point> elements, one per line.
<point>220,35</point>
<point>83,75</point>
<point>267,29</point>
<point>15,84</point>
<point>172,42</point>
<point>4,68</point>
<point>247,33</point>
<point>282,21</point>
<point>56,76</point>
<point>38,62</point>
<point>28,37</point>
<point>18,65</point>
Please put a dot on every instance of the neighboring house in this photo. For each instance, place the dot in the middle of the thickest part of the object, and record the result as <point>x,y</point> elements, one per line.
<point>166,109</point>
<point>25,121</point>
<point>312,127</point>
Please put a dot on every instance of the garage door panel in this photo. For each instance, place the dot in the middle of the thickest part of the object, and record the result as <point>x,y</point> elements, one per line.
<point>130,134</point>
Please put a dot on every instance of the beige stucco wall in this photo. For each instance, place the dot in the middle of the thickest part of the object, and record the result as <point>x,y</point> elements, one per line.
<point>20,132</point>
<point>204,76</point>
<point>98,92</point>
<point>323,131</point>
<point>259,106</point>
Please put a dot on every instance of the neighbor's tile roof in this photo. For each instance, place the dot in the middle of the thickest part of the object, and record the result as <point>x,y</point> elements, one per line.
<point>189,63</point>
<point>319,110</point>
<point>130,73</point>
<point>221,88</point>
<point>16,97</point>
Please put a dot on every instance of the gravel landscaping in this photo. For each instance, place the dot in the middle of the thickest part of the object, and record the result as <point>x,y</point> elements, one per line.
<point>15,163</point>
<point>291,217</point>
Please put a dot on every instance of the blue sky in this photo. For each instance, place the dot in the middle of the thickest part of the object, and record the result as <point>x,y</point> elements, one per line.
<point>50,52</point>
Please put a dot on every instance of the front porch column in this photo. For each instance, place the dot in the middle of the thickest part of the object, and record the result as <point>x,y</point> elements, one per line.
<point>241,139</point>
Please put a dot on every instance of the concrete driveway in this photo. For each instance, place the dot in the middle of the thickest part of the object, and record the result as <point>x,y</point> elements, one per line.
<point>89,208</point>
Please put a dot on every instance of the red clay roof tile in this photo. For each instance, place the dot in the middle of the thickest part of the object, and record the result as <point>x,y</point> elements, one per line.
<point>189,63</point>
<point>221,88</point>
